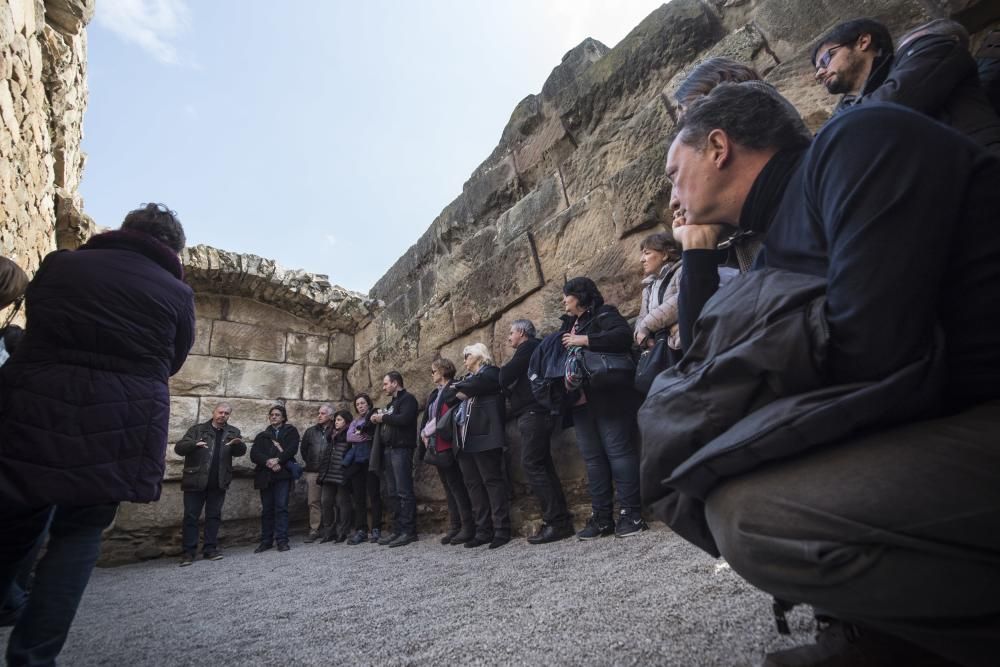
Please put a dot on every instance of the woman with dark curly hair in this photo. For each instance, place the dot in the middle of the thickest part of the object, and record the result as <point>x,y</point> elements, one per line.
<point>604,418</point>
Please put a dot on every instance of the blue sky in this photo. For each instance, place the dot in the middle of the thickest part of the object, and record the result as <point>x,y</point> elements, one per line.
<point>325,135</point>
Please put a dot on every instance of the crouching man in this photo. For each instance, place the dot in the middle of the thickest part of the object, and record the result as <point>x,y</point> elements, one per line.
<point>890,531</point>
<point>208,450</point>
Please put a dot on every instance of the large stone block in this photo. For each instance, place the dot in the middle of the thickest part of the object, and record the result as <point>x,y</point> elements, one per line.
<point>242,502</point>
<point>259,379</point>
<point>183,415</point>
<point>437,327</point>
<point>200,376</point>
<point>498,284</point>
<point>641,192</point>
<point>358,377</point>
<point>202,336</point>
<point>248,311</point>
<point>210,307</point>
<point>394,354</point>
<point>543,308</point>
<point>537,206</point>
<point>454,270</point>
<point>247,341</point>
<point>342,350</point>
<point>306,349</point>
<point>453,350</point>
<point>543,151</point>
<point>323,384</point>
<point>492,191</point>
<point>565,243</point>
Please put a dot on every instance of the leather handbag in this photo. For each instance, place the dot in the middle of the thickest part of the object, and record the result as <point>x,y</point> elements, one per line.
<point>608,369</point>
<point>438,459</point>
<point>651,363</point>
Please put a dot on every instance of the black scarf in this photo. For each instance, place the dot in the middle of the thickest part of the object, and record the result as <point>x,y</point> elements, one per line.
<point>765,195</point>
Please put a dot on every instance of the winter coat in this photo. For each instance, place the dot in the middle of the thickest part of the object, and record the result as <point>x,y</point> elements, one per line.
<point>331,466</point>
<point>198,460</point>
<point>515,382</point>
<point>360,433</point>
<point>484,409</point>
<point>84,403</point>
<point>263,449</point>
<point>314,444</point>
<point>399,421</point>
<point>441,442</point>
<point>607,331</point>
<point>658,314</point>
<point>935,75</point>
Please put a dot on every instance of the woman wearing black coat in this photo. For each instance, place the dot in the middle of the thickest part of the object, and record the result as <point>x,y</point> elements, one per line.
<point>272,449</point>
<point>335,494</point>
<point>604,419</point>
<point>479,425</point>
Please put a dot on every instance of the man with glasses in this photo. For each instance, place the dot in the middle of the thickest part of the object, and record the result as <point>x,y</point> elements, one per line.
<point>853,59</point>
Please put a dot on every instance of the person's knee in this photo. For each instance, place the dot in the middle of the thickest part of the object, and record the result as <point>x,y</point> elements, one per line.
<point>738,516</point>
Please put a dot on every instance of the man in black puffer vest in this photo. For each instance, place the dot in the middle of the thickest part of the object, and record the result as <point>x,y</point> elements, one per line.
<point>891,530</point>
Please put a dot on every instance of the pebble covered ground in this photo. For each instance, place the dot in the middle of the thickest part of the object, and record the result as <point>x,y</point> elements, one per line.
<point>647,600</point>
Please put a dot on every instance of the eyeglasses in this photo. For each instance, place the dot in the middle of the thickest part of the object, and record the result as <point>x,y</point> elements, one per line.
<point>824,60</point>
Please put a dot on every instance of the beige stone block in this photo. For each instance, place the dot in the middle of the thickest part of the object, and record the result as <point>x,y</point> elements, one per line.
<point>262,379</point>
<point>242,502</point>
<point>543,308</point>
<point>566,242</point>
<point>365,339</point>
<point>210,307</point>
<point>323,384</point>
<point>200,376</point>
<point>453,350</point>
<point>202,336</point>
<point>437,327</point>
<point>183,415</point>
<point>342,349</point>
<point>358,377</point>
<point>497,284</point>
<point>249,415</point>
<point>307,349</point>
<point>247,311</point>
<point>246,341</point>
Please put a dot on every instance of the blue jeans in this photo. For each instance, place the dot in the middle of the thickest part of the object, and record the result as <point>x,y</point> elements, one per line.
<point>274,512</point>
<point>399,487</point>
<point>60,577</point>
<point>604,437</point>
<point>194,501</point>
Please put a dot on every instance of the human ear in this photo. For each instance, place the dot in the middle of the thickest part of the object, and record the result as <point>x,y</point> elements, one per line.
<point>718,146</point>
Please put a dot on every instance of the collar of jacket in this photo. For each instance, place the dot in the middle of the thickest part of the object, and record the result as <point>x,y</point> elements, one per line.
<point>766,192</point>
<point>880,70</point>
<point>662,273</point>
<point>144,244</point>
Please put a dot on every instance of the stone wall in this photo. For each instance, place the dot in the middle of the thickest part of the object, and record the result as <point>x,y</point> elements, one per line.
<point>263,336</point>
<point>43,94</point>
<point>577,181</point>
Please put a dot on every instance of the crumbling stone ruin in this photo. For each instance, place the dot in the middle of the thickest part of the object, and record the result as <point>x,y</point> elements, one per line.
<point>574,183</point>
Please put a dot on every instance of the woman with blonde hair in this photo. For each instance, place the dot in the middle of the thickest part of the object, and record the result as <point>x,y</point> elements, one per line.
<point>479,427</point>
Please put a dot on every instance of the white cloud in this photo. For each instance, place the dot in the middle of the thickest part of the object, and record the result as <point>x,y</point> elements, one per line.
<point>153,25</point>
<point>331,239</point>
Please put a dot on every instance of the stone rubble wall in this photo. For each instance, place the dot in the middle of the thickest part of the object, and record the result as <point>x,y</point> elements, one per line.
<point>43,94</point>
<point>577,181</point>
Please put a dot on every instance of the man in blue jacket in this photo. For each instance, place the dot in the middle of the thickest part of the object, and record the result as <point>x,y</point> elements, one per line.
<point>891,534</point>
<point>84,407</point>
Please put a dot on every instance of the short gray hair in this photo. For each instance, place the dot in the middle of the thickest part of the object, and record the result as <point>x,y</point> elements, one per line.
<point>221,404</point>
<point>479,351</point>
<point>943,27</point>
<point>750,117</point>
<point>326,406</point>
<point>527,327</point>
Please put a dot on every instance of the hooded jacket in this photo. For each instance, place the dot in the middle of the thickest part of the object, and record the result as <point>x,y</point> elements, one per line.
<point>84,403</point>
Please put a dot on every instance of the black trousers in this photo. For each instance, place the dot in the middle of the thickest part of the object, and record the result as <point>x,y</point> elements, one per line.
<point>335,510</point>
<point>375,499</point>
<point>460,517</point>
<point>897,530</point>
<point>539,469</point>
<point>484,480</point>
<point>358,483</point>
<point>211,500</point>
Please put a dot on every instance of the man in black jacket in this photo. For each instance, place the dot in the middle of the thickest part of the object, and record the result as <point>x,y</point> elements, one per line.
<point>398,431</point>
<point>535,425</point>
<point>933,73</point>
<point>208,450</point>
<point>891,533</point>
<point>853,59</point>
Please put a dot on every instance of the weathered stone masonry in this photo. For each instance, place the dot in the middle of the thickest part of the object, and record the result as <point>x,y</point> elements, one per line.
<point>573,185</point>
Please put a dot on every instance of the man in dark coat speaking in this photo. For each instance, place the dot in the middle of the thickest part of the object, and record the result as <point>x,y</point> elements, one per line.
<point>84,406</point>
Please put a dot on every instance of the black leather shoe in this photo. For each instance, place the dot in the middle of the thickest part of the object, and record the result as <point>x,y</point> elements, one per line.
<point>261,548</point>
<point>284,547</point>
<point>475,542</point>
<point>449,536</point>
<point>403,540</point>
<point>550,533</point>
<point>387,539</point>
<point>328,538</point>
<point>499,542</point>
<point>462,537</point>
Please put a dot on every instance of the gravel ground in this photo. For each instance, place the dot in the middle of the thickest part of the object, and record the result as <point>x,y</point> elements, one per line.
<point>648,600</point>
